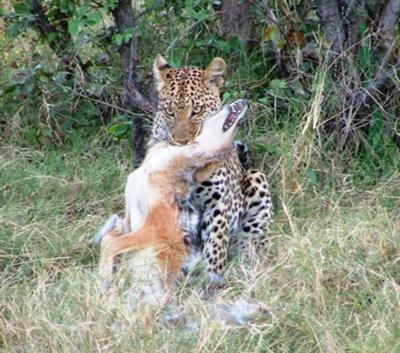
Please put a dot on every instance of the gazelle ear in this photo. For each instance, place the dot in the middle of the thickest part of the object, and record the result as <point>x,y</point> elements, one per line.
<point>159,70</point>
<point>213,75</point>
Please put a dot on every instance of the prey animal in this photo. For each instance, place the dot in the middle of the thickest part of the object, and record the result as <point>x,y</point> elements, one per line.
<point>159,219</point>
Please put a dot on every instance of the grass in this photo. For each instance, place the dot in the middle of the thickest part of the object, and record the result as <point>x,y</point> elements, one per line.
<point>330,274</point>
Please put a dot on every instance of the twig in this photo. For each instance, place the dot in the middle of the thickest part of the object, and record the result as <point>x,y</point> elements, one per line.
<point>382,78</point>
<point>41,20</point>
<point>183,34</point>
<point>271,20</point>
<point>75,92</point>
<point>145,12</point>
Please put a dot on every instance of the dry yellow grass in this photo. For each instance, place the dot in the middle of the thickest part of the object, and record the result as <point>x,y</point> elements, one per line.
<point>330,277</point>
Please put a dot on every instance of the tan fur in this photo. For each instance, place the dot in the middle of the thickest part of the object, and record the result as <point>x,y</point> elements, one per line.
<point>205,173</point>
<point>159,239</point>
<point>151,229</point>
<point>161,231</point>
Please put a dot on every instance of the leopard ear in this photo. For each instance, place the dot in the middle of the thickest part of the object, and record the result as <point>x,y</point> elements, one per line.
<point>159,70</point>
<point>213,75</point>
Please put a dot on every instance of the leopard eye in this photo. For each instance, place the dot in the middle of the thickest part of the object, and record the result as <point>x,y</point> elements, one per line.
<point>197,109</point>
<point>169,111</point>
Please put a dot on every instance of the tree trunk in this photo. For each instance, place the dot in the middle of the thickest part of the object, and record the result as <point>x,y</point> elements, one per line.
<point>341,17</point>
<point>332,25</point>
<point>237,20</point>
<point>132,98</point>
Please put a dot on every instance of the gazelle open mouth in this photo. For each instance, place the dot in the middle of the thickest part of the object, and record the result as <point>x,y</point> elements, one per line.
<point>235,110</point>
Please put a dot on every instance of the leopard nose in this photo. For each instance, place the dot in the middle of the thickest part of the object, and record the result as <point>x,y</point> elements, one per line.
<point>181,133</point>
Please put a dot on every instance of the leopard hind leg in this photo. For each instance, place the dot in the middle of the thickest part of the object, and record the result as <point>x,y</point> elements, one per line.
<point>257,214</point>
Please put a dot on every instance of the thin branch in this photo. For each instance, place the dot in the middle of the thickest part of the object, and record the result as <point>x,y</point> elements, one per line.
<point>106,104</point>
<point>42,22</point>
<point>384,74</point>
<point>139,100</point>
<point>354,17</point>
<point>145,12</point>
<point>59,46</point>
<point>97,3</point>
<point>374,88</point>
<point>272,21</point>
<point>184,33</point>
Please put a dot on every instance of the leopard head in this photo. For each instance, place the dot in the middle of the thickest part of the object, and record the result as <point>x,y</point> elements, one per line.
<point>186,96</point>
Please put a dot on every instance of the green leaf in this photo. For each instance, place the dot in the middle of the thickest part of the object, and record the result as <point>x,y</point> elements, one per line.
<point>74,26</point>
<point>109,4</point>
<point>28,87</point>
<point>14,29</point>
<point>202,43</point>
<point>313,176</point>
<point>189,4</point>
<point>30,136</point>
<point>128,33</point>
<point>66,6</point>
<point>273,34</point>
<point>118,38</point>
<point>22,7</point>
<point>60,77</point>
<point>200,15</point>
<point>95,89</point>
<point>226,95</point>
<point>119,130</point>
<point>222,45</point>
<point>51,37</point>
<point>82,10</point>
<point>277,85</point>
<point>93,18</point>
<point>364,57</point>
<point>264,100</point>
<point>22,76</point>
<point>261,148</point>
<point>376,131</point>
<point>362,28</point>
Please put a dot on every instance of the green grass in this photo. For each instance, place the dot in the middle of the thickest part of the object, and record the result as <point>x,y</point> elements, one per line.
<point>330,274</point>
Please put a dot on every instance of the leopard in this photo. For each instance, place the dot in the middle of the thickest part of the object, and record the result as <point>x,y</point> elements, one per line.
<point>233,201</point>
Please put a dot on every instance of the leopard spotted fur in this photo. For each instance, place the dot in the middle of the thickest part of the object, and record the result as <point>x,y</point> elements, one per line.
<point>233,203</point>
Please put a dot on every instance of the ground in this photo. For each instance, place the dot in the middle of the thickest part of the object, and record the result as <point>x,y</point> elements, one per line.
<point>329,276</point>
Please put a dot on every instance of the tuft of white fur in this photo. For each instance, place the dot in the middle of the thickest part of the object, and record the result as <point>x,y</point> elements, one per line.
<point>113,222</point>
<point>194,258</point>
<point>240,312</point>
<point>243,311</point>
